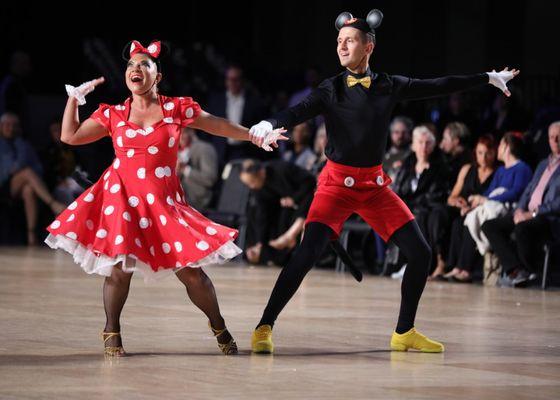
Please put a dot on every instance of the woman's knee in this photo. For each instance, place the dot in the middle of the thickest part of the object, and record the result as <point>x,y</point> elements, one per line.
<point>190,276</point>
<point>119,277</point>
<point>27,192</point>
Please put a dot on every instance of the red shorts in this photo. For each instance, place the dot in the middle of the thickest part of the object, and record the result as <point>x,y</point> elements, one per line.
<point>343,190</point>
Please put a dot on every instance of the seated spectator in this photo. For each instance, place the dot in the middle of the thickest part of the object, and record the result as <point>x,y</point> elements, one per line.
<point>300,154</point>
<point>60,163</point>
<point>282,194</point>
<point>319,149</point>
<point>422,183</point>
<point>454,146</point>
<point>473,179</point>
<point>535,220</point>
<point>197,165</point>
<point>504,191</point>
<point>20,172</point>
<point>240,105</point>
<point>400,134</point>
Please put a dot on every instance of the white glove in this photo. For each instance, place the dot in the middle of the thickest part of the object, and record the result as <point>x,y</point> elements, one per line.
<point>500,79</point>
<point>272,137</point>
<point>80,92</point>
<point>259,131</point>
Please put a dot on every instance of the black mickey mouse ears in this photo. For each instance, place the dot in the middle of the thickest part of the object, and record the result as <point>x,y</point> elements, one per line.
<point>368,25</point>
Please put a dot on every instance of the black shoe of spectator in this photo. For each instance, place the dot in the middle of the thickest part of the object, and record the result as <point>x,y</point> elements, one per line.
<point>524,279</point>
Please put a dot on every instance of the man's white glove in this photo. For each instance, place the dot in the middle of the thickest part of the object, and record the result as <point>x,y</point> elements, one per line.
<point>263,135</point>
<point>80,92</point>
<point>500,79</point>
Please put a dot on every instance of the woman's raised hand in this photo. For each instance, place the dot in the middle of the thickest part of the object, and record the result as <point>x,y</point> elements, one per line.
<point>80,92</point>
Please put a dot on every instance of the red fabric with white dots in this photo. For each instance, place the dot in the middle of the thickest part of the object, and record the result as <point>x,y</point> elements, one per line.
<point>138,208</point>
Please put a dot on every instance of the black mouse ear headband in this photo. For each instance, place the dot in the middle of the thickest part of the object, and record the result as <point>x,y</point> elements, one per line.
<point>368,25</point>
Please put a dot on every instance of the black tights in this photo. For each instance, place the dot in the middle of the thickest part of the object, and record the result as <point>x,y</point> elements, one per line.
<point>408,239</point>
<point>199,289</point>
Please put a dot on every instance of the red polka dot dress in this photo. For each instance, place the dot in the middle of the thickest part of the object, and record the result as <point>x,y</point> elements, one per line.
<point>136,213</point>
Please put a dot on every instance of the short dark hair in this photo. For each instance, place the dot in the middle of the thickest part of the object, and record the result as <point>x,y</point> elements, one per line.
<point>515,141</point>
<point>367,37</point>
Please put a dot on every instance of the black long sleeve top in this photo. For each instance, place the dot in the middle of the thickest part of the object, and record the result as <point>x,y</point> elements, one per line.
<point>357,119</point>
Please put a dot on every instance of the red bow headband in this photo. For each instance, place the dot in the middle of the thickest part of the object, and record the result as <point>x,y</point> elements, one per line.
<point>152,50</point>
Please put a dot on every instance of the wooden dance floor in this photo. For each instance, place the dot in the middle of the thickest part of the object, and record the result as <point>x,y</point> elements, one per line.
<point>331,341</point>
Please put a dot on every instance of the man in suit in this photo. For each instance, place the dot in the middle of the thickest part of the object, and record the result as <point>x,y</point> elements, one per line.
<point>535,220</point>
<point>198,168</point>
<point>241,106</point>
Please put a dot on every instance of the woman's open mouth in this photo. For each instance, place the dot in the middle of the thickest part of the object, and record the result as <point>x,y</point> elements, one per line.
<point>136,78</point>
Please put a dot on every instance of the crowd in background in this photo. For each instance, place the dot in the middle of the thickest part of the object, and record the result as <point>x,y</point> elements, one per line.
<point>478,171</point>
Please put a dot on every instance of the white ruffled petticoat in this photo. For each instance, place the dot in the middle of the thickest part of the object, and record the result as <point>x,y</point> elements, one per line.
<point>99,263</point>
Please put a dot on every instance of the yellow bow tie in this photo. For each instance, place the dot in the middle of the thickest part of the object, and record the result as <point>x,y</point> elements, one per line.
<point>352,80</point>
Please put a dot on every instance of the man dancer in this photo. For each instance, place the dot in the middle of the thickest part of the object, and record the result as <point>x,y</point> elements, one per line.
<point>357,106</point>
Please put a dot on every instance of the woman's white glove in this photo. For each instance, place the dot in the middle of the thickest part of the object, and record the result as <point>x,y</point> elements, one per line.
<point>80,92</point>
<point>262,135</point>
<point>500,79</point>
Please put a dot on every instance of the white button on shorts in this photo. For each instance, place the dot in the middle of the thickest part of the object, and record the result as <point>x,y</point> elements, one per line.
<point>349,181</point>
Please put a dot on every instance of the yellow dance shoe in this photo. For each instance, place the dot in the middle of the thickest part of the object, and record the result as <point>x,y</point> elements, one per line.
<point>261,340</point>
<point>415,340</point>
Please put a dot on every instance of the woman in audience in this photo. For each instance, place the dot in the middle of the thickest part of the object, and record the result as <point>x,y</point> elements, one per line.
<point>20,172</point>
<point>422,184</point>
<point>473,179</point>
<point>504,191</point>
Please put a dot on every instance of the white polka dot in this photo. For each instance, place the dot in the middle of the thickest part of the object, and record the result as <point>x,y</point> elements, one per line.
<point>168,199</point>
<point>109,210</point>
<point>117,163</point>
<point>56,224</point>
<point>119,107</point>
<point>133,201</point>
<point>163,220</point>
<point>152,149</point>
<point>183,222</point>
<point>89,224</point>
<point>141,131</point>
<point>70,218</point>
<point>106,113</point>
<point>141,173</point>
<point>178,264</point>
<point>169,106</point>
<point>119,239</point>
<point>166,247</point>
<point>106,185</point>
<point>149,130</point>
<point>189,113</point>
<point>160,172</point>
<point>152,48</point>
<point>178,246</point>
<point>120,124</point>
<point>72,235</point>
<point>119,141</point>
<point>211,231</point>
<point>177,196</point>
<point>202,245</point>
<point>130,133</point>
<point>126,216</point>
<point>101,233</point>
<point>167,171</point>
<point>106,175</point>
<point>231,234</point>
<point>138,242</point>
<point>150,198</point>
<point>168,120</point>
<point>152,251</point>
<point>132,47</point>
<point>171,142</point>
<point>89,197</point>
<point>130,153</point>
<point>115,188</point>
<point>144,223</point>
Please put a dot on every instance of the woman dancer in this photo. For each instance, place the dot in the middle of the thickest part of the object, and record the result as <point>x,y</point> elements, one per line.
<point>135,218</point>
